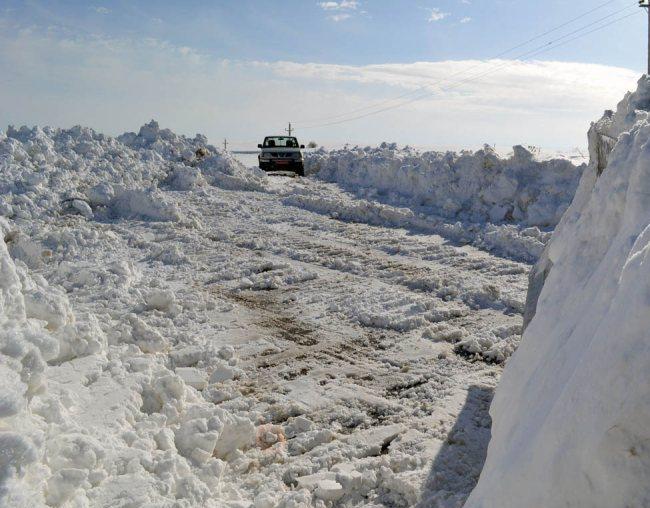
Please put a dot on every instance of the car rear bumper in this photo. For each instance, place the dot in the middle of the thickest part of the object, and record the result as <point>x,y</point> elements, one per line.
<point>282,165</point>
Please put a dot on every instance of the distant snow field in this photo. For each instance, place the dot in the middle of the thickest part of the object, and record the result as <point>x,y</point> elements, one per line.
<point>179,329</point>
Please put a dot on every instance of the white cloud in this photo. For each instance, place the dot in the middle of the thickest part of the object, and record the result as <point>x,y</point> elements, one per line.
<point>101,10</point>
<point>339,17</point>
<point>564,83</point>
<point>437,15</point>
<point>339,6</point>
<point>541,102</point>
<point>466,19</point>
<point>120,84</point>
<point>343,9</point>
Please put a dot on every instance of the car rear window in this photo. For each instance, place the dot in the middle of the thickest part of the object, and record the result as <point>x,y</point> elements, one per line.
<point>280,142</point>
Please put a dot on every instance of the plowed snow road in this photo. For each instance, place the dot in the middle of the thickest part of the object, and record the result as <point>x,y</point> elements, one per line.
<point>345,336</point>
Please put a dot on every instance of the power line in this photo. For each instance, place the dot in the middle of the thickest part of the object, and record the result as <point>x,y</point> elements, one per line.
<point>457,84</point>
<point>424,87</point>
<point>556,44</point>
<point>520,56</point>
<point>541,49</point>
<point>646,5</point>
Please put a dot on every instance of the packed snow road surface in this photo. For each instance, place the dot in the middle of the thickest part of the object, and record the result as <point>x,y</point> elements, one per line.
<point>219,338</point>
<point>346,383</point>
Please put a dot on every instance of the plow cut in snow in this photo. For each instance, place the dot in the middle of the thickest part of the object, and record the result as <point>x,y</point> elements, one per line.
<point>183,328</point>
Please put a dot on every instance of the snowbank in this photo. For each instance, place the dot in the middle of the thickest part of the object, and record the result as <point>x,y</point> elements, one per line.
<point>505,205</point>
<point>571,413</point>
<point>473,187</point>
<point>91,407</point>
<point>508,240</point>
<point>79,171</point>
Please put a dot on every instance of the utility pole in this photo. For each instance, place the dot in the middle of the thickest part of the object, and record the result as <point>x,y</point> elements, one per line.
<point>225,145</point>
<point>646,5</point>
<point>290,129</point>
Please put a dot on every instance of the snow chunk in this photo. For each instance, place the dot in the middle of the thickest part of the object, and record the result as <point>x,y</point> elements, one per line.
<point>12,392</point>
<point>148,339</point>
<point>224,372</point>
<point>17,453</point>
<point>329,490</point>
<point>49,305</point>
<point>144,204</point>
<point>160,299</point>
<point>193,377</point>
<point>101,194</point>
<point>371,442</point>
<point>186,357</point>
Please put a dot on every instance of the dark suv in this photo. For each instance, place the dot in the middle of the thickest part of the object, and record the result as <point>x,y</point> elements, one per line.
<point>281,153</point>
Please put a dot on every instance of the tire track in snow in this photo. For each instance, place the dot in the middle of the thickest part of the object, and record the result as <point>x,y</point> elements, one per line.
<point>350,377</point>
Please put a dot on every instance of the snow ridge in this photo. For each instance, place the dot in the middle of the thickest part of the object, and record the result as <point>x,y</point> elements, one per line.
<point>79,171</point>
<point>473,187</point>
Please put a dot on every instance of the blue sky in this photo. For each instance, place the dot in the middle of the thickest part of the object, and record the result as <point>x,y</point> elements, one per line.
<point>241,68</point>
<point>376,31</point>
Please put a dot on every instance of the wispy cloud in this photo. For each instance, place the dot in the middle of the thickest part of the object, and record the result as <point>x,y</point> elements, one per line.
<point>101,10</point>
<point>507,88</point>
<point>339,6</point>
<point>436,14</point>
<point>339,17</point>
<point>466,19</point>
<point>341,10</point>
<point>556,99</point>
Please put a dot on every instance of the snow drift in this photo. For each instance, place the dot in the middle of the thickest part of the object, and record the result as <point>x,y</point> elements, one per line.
<point>571,413</point>
<point>474,187</point>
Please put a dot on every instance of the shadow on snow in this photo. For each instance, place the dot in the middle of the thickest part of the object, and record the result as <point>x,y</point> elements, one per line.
<point>456,468</point>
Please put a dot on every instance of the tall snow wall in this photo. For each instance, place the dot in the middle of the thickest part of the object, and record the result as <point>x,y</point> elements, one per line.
<point>570,416</point>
